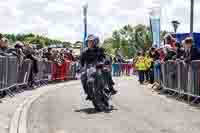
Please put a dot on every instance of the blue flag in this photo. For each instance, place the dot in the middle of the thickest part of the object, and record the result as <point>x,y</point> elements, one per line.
<point>155,25</point>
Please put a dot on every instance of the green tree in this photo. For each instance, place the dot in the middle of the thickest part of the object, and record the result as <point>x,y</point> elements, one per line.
<point>108,46</point>
<point>128,40</point>
<point>116,40</point>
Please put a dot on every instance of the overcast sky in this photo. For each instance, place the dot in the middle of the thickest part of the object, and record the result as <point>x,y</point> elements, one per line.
<point>62,19</point>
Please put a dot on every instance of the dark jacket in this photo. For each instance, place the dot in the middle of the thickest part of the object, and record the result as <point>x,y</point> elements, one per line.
<point>180,53</point>
<point>193,54</point>
<point>155,56</point>
<point>92,56</point>
<point>48,56</point>
<point>34,65</point>
<point>170,55</point>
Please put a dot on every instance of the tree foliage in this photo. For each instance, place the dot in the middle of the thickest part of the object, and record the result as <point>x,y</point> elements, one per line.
<point>128,40</point>
<point>32,39</point>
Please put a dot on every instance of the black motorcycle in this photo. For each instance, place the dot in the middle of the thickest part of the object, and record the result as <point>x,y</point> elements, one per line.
<point>98,87</point>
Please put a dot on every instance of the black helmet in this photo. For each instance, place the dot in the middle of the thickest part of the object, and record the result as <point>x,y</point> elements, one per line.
<point>93,38</point>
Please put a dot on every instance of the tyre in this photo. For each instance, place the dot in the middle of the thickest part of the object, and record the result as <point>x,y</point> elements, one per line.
<point>96,106</point>
<point>100,98</point>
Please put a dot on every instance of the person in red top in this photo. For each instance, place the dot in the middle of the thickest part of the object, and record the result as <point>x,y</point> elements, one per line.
<point>169,40</point>
<point>173,45</point>
<point>69,55</point>
<point>162,54</point>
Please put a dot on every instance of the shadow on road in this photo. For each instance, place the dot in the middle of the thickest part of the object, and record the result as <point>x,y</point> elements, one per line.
<point>93,111</point>
<point>88,111</point>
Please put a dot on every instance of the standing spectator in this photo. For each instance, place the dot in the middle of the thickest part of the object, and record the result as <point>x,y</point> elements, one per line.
<point>1,36</point>
<point>191,52</point>
<point>78,67</point>
<point>115,67</point>
<point>129,66</point>
<point>1,47</point>
<point>0,54</point>
<point>29,53</point>
<point>140,65</point>
<point>4,46</point>
<point>162,54</point>
<point>170,53</point>
<point>155,55</point>
<point>48,55</point>
<point>179,51</point>
<point>148,62</point>
<point>20,55</point>
<point>135,59</point>
<point>169,40</point>
<point>69,55</point>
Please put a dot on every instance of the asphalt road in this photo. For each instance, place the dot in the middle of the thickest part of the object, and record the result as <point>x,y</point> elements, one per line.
<point>137,110</point>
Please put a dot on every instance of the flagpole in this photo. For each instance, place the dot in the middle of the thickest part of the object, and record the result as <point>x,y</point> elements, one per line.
<point>85,7</point>
<point>191,16</point>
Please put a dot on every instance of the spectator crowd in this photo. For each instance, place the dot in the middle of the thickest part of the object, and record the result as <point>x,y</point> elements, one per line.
<point>24,51</point>
<point>148,63</point>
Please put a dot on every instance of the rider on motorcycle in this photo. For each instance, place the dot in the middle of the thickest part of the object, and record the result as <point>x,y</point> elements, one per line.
<point>93,55</point>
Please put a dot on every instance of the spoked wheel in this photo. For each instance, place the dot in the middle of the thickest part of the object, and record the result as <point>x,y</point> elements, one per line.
<point>107,106</point>
<point>102,106</point>
<point>100,103</point>
<point>96,106</point>
<point>100,97</point>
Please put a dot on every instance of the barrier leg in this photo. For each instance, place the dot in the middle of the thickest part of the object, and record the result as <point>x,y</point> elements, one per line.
<point>63,72</point>
<point>67,74</point>
<point>180,96</point>
<point>194,101</point>
<point>54,69</point>
<point>120,69</point>
<point>189,83</point>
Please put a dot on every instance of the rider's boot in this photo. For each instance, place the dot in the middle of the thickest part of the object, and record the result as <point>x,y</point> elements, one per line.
<point>112,90</point>
<point>88,98</point>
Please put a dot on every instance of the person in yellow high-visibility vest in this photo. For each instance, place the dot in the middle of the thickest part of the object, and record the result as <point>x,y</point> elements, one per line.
<point>148,62</point>
<point>140,66</point>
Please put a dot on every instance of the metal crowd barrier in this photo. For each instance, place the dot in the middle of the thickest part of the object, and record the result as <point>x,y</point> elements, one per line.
<point>181,77</point>
<point>13,75</point>
<point>73,69</point>
<point>119,69</point>
<point>3,72</point>
<point>12,71</point>
<point>8,71</point>
<point>194,78</point>
<point>170,75</point>
<point>65,71</point>
<point>44,73</point>
<point>24,72</point>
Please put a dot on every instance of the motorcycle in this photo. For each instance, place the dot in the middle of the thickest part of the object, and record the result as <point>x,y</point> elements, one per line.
<point>98,87</point>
